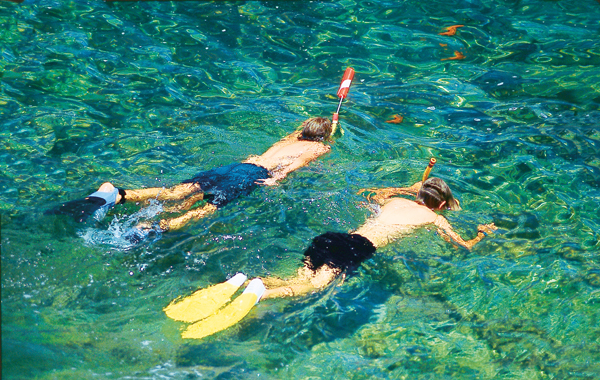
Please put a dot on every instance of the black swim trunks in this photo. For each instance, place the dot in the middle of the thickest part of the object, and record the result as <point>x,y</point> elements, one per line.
<point>338,250</point>
<point>224,184</point>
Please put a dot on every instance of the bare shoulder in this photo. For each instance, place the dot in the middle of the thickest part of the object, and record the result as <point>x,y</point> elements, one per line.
<point>289,139</point>
<point>403,203</point>
<point>300,147</point>
<point>406,212</point>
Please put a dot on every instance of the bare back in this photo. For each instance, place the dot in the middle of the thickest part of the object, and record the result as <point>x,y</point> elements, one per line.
<point>396,217</point>
<point>288,155</point>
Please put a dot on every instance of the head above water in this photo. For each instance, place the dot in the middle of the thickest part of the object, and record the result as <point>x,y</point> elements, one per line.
<point>316,129</point>
<point>436,195</point>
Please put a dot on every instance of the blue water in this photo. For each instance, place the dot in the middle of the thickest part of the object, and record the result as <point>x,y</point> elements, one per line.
<point>149,93</point>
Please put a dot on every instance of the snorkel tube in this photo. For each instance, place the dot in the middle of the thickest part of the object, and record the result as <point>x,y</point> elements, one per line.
<point>342,93</point>
<point>432,162</point>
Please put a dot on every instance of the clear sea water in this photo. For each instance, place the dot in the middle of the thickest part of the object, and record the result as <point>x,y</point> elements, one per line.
<point>149,93</point>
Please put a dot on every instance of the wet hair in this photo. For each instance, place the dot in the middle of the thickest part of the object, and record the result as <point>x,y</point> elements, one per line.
<point>315,129</point>
<point>433,192</point>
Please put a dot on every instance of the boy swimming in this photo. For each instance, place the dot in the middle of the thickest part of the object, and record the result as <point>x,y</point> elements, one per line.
<point>217,186</point>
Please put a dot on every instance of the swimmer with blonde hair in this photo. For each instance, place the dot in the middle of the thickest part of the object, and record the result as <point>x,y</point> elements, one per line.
<point>332,253</point>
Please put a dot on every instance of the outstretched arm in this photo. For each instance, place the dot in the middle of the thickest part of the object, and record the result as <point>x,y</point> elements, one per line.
<point>446,231</point>
<point>180,221</point>
<point>381,195</point>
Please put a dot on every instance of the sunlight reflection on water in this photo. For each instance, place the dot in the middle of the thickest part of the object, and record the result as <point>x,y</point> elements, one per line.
<point>149,93</point>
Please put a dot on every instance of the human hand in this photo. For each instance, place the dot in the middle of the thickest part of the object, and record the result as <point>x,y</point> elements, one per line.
<point>373,194</point>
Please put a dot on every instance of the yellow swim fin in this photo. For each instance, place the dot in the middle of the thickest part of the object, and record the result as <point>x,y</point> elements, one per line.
<point>204,302</point>
<point>229,315</point>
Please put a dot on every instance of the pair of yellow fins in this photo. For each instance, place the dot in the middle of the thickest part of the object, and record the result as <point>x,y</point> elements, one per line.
<point>206,309</point>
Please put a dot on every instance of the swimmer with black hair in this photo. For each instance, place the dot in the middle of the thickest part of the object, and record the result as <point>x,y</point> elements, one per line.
<point>219,186</point>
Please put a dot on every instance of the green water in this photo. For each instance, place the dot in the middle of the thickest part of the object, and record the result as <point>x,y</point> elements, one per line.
<point>149,93</point>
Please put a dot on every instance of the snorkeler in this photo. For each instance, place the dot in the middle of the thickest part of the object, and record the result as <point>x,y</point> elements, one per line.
<point>219,186</point>
<point>331,255</point>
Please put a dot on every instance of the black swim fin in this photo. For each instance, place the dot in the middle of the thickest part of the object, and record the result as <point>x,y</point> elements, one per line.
<point>95,204</point>
<point>80,210</point>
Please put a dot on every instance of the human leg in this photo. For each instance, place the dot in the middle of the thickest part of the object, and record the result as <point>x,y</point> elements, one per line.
<point>185,205</point>
<point>180,221</point>
<point>328,256</point>
<point>201,305</point>
<point>176,192</point>
<point>305,282</point>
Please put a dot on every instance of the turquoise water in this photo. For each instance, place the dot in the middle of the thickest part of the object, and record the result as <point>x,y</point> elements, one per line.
<point>149,93</point>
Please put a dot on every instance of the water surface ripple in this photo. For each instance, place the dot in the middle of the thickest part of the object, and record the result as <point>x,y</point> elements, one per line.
<point>149,93</point>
